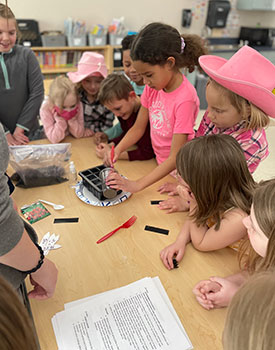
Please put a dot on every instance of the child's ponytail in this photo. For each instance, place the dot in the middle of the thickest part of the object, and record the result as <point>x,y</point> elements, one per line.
<point>193,49</point>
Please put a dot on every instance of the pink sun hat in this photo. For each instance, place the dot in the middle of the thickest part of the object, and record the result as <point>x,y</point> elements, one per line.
<point>90,63</point>
<point>247,73</point>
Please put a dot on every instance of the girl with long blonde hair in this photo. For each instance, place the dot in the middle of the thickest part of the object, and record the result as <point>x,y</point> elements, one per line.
<point>257,252</point>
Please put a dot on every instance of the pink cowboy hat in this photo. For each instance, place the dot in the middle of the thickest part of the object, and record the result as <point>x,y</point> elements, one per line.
<point>247,73</point>
<point>90,63</point>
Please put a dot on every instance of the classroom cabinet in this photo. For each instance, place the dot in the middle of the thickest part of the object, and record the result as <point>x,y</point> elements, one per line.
<point>260,5</point>
<point>61,60</point>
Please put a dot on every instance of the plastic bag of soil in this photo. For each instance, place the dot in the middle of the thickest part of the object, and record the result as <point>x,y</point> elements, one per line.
<point>40,165</point>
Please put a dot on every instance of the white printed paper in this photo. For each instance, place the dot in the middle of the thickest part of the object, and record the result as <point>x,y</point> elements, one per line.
<point>138,316</point>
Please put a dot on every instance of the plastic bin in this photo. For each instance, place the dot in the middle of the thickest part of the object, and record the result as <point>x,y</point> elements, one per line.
<point>53,40</point>
<point>115,39</point>
<point>92,181</point>
<point>77,40</point>
<point>97,40</point>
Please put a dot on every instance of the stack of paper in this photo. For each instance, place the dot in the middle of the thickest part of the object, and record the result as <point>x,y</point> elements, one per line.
<point>138,316</point>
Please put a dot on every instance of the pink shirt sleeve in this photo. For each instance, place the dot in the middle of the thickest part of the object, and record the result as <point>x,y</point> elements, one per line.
<point>185,118</point>
<point>55,127</point>
<point>144,97</point>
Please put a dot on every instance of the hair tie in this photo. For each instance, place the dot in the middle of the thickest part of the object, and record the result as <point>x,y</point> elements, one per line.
<point>182,45</point>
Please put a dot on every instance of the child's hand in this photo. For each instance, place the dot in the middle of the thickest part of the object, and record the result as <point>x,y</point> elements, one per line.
<point>173,251</point>
<point>20,137</point>
<point>118,182</point>
<point>11,140</point>
<point>88,133</point>
<point>100,137</point>
<point>169,187</point>
<point>222,297</point>
<point>174,204</point>
<point>44,281</point>
<point>107,158</point>
<point>184,193</point>
<point>101,150</point>
<point>201,291</point>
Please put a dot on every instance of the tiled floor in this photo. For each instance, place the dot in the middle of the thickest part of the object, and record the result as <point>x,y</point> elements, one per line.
<point>266,169</point>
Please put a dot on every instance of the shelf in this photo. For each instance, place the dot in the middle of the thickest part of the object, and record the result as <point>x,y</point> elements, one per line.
<point>58,70</point>
<point>72,48</point>
<point>53,59</point>
<point>117,68</point>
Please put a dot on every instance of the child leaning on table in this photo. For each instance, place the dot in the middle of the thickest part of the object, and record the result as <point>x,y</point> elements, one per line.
<point>257,252</point>
<point>118,95</point>
<point>239,104</point>
<point>169,101</point>
<point>136,81</point>
<point>62,113</point>
<point>21,84</point>
<point>250,318</point>
<point>214,179</point>
<point>91,71</point>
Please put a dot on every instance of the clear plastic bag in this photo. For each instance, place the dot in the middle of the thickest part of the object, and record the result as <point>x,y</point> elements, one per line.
<point>40,165</point>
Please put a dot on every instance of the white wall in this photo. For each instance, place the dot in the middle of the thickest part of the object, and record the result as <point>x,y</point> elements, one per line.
<point>51,13</point>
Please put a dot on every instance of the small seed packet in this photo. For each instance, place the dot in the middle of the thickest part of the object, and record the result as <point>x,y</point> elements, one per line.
<point>34,212</point>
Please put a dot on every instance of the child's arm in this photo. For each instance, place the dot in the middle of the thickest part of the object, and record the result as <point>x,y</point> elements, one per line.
<point>102,149</point>
<point>163,169</point>
<point>203,288</point>
<point>134,133</point>
<point>25,256</point>
<point>76,124</point>
<point>174,204</point>
<point>231,230</point>
<point>140,153</point>
<point>228,288</point>
<point>216,291</point>
<point>88,132</point>
<point>55,127</point>
<point>177,249</point>
<point>109,134</point>
<point>34,78</point>
<point>114,132</point>
<point>19,135</point>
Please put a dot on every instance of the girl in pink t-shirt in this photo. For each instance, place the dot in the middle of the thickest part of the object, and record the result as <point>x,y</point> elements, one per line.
<point>169,101</point>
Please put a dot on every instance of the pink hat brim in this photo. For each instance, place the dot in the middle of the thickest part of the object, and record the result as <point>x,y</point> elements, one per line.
<point>75,77</point>
<point>259,96</point>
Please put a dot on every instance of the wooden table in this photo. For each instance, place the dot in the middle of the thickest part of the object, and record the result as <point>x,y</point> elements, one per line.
<point>86,268</point>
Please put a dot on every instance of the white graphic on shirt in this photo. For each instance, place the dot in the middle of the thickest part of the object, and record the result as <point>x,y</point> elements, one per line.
<point>160,123</point>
